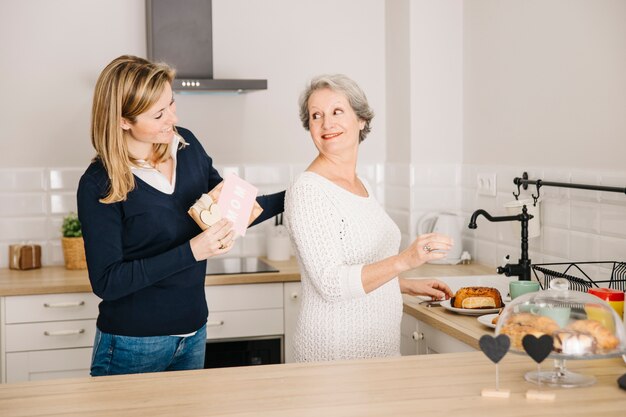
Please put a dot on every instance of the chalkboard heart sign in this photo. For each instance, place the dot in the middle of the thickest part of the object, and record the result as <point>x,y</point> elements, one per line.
<point>622,381</point>
<point>495,347</point>
<point>537,348</point>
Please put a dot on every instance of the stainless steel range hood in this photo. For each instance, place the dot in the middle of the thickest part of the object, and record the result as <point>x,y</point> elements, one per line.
<point>180,33</point>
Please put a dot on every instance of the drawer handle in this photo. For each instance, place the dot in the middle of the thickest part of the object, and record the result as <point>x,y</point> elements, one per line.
<point>294,296</point>
<point>64,332</point>
<point>417,336</point>
<point>64,305</point>
<point>215,323</point>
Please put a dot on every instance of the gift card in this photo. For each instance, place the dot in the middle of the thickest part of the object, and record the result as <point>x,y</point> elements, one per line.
<point>236,201</point>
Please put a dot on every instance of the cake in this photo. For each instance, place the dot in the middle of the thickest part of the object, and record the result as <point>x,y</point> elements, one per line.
<point>476,298</point>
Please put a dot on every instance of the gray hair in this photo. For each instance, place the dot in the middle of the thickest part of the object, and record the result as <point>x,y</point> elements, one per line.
<point>342,84</point>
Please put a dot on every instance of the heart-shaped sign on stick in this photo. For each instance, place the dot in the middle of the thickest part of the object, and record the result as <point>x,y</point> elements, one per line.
<point>537,348</point>
<point>495,347</point>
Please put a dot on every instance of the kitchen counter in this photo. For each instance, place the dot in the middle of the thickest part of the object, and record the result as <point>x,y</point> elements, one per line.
<point>464,328</point>
<point>57,279</point>
<point>428,385</point>
<point>448,384</point>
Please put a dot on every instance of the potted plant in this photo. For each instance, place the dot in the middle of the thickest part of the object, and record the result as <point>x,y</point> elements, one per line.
<point>73,244</point>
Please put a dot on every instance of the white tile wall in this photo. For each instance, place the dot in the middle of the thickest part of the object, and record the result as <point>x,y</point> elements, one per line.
<point>577,225</point>
<point>20,180</point>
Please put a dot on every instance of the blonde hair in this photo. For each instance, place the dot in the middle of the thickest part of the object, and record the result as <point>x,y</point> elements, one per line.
<point>127,87</point>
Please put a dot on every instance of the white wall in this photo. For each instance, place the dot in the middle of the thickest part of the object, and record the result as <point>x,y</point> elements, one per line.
<point>545,92</point>
<point>474,86</point>
<point>505,87</point>
<point>437,81</point>
<point>425,107</point>
<point>544,83</point>
<point>53,51</point>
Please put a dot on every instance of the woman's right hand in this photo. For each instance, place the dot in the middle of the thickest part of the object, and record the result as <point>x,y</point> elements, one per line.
<point>216,240</point>
<point>428,247</point>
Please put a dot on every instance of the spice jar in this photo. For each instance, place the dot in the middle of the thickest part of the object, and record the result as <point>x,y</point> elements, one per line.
<point>615,298</point>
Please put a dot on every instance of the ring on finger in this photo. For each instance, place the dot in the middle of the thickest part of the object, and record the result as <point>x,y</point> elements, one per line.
<point>427,248</point>
<point>222,246</point>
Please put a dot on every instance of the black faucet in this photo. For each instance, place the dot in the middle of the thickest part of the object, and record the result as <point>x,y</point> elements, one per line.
<point>522,268</point>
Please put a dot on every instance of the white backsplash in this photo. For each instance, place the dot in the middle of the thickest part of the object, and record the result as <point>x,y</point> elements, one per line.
<point>577,225</point>
<point>35,200</point>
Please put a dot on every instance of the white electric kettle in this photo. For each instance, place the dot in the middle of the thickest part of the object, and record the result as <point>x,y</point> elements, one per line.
<point>448,224</point>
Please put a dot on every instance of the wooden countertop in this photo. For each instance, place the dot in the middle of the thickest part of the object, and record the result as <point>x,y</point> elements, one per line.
<point>57,279</point>
<point>464,328</point>
<point>467,329</point>
<point>424,385</point>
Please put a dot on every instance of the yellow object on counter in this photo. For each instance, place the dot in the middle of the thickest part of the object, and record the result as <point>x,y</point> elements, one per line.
<point>615,298</point>
<point>602,314</point>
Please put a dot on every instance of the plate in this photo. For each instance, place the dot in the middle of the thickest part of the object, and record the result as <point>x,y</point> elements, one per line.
<point>468,311</point>
<point>486,320</point>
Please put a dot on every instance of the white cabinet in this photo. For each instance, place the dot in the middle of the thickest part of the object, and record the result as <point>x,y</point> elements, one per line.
<point>291,300</point>
<point>408,330</point>
<point>247,310</point>
<point>48,364</point>
<point>47,336</point>
<point>421,338</point>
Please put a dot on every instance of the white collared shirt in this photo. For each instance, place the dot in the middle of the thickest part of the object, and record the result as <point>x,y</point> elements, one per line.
<point>153,177</point>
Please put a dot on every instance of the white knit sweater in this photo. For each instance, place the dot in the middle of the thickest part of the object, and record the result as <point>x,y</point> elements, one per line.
<point>335,233</point>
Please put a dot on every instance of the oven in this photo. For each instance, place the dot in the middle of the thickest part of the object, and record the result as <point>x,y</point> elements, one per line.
<point>223,353</point>
<point>245,325</point>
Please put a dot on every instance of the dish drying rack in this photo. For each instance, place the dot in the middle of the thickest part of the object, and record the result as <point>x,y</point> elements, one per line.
<point>580,280</point>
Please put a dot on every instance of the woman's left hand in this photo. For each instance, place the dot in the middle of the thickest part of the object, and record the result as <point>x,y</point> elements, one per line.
<point>433,288</point>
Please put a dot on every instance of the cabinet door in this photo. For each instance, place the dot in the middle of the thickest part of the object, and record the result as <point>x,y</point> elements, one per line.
<point>292,295</point>
<point>431,340</point>
<point>244,297</point>
<point>48,364</point>
<point>247,323</point>
<point>49,335</point>
<point>51,307</point>
<point>408,332</point>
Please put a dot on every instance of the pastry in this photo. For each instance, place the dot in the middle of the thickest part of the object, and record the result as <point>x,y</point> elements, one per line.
<point>495,319</point>
<point>517,332</point>
<point>605,339</point>
<point>519,325</point>
<point>572,342</point>
<point>477,297</point>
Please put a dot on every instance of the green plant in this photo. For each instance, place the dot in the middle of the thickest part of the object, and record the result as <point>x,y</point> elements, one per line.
<point>71,226</point>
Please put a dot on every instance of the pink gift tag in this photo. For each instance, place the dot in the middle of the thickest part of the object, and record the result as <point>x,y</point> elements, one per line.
<point>236,201</point>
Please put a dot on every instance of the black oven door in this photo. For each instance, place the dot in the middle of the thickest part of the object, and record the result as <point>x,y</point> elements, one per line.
<point>227,353</point>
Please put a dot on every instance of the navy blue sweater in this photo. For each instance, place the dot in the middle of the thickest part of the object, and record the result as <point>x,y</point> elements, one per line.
<point>138,254</point>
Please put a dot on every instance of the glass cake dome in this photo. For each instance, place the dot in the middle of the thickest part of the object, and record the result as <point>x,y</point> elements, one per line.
<point>582,326</point>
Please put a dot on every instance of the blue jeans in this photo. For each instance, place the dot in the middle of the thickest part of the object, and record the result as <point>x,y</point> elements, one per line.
<point>115,355</point>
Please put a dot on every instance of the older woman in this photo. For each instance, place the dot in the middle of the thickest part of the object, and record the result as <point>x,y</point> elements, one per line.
<point>347,246</point>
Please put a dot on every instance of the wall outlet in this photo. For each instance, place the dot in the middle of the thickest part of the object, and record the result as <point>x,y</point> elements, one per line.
<point>486,184</point>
